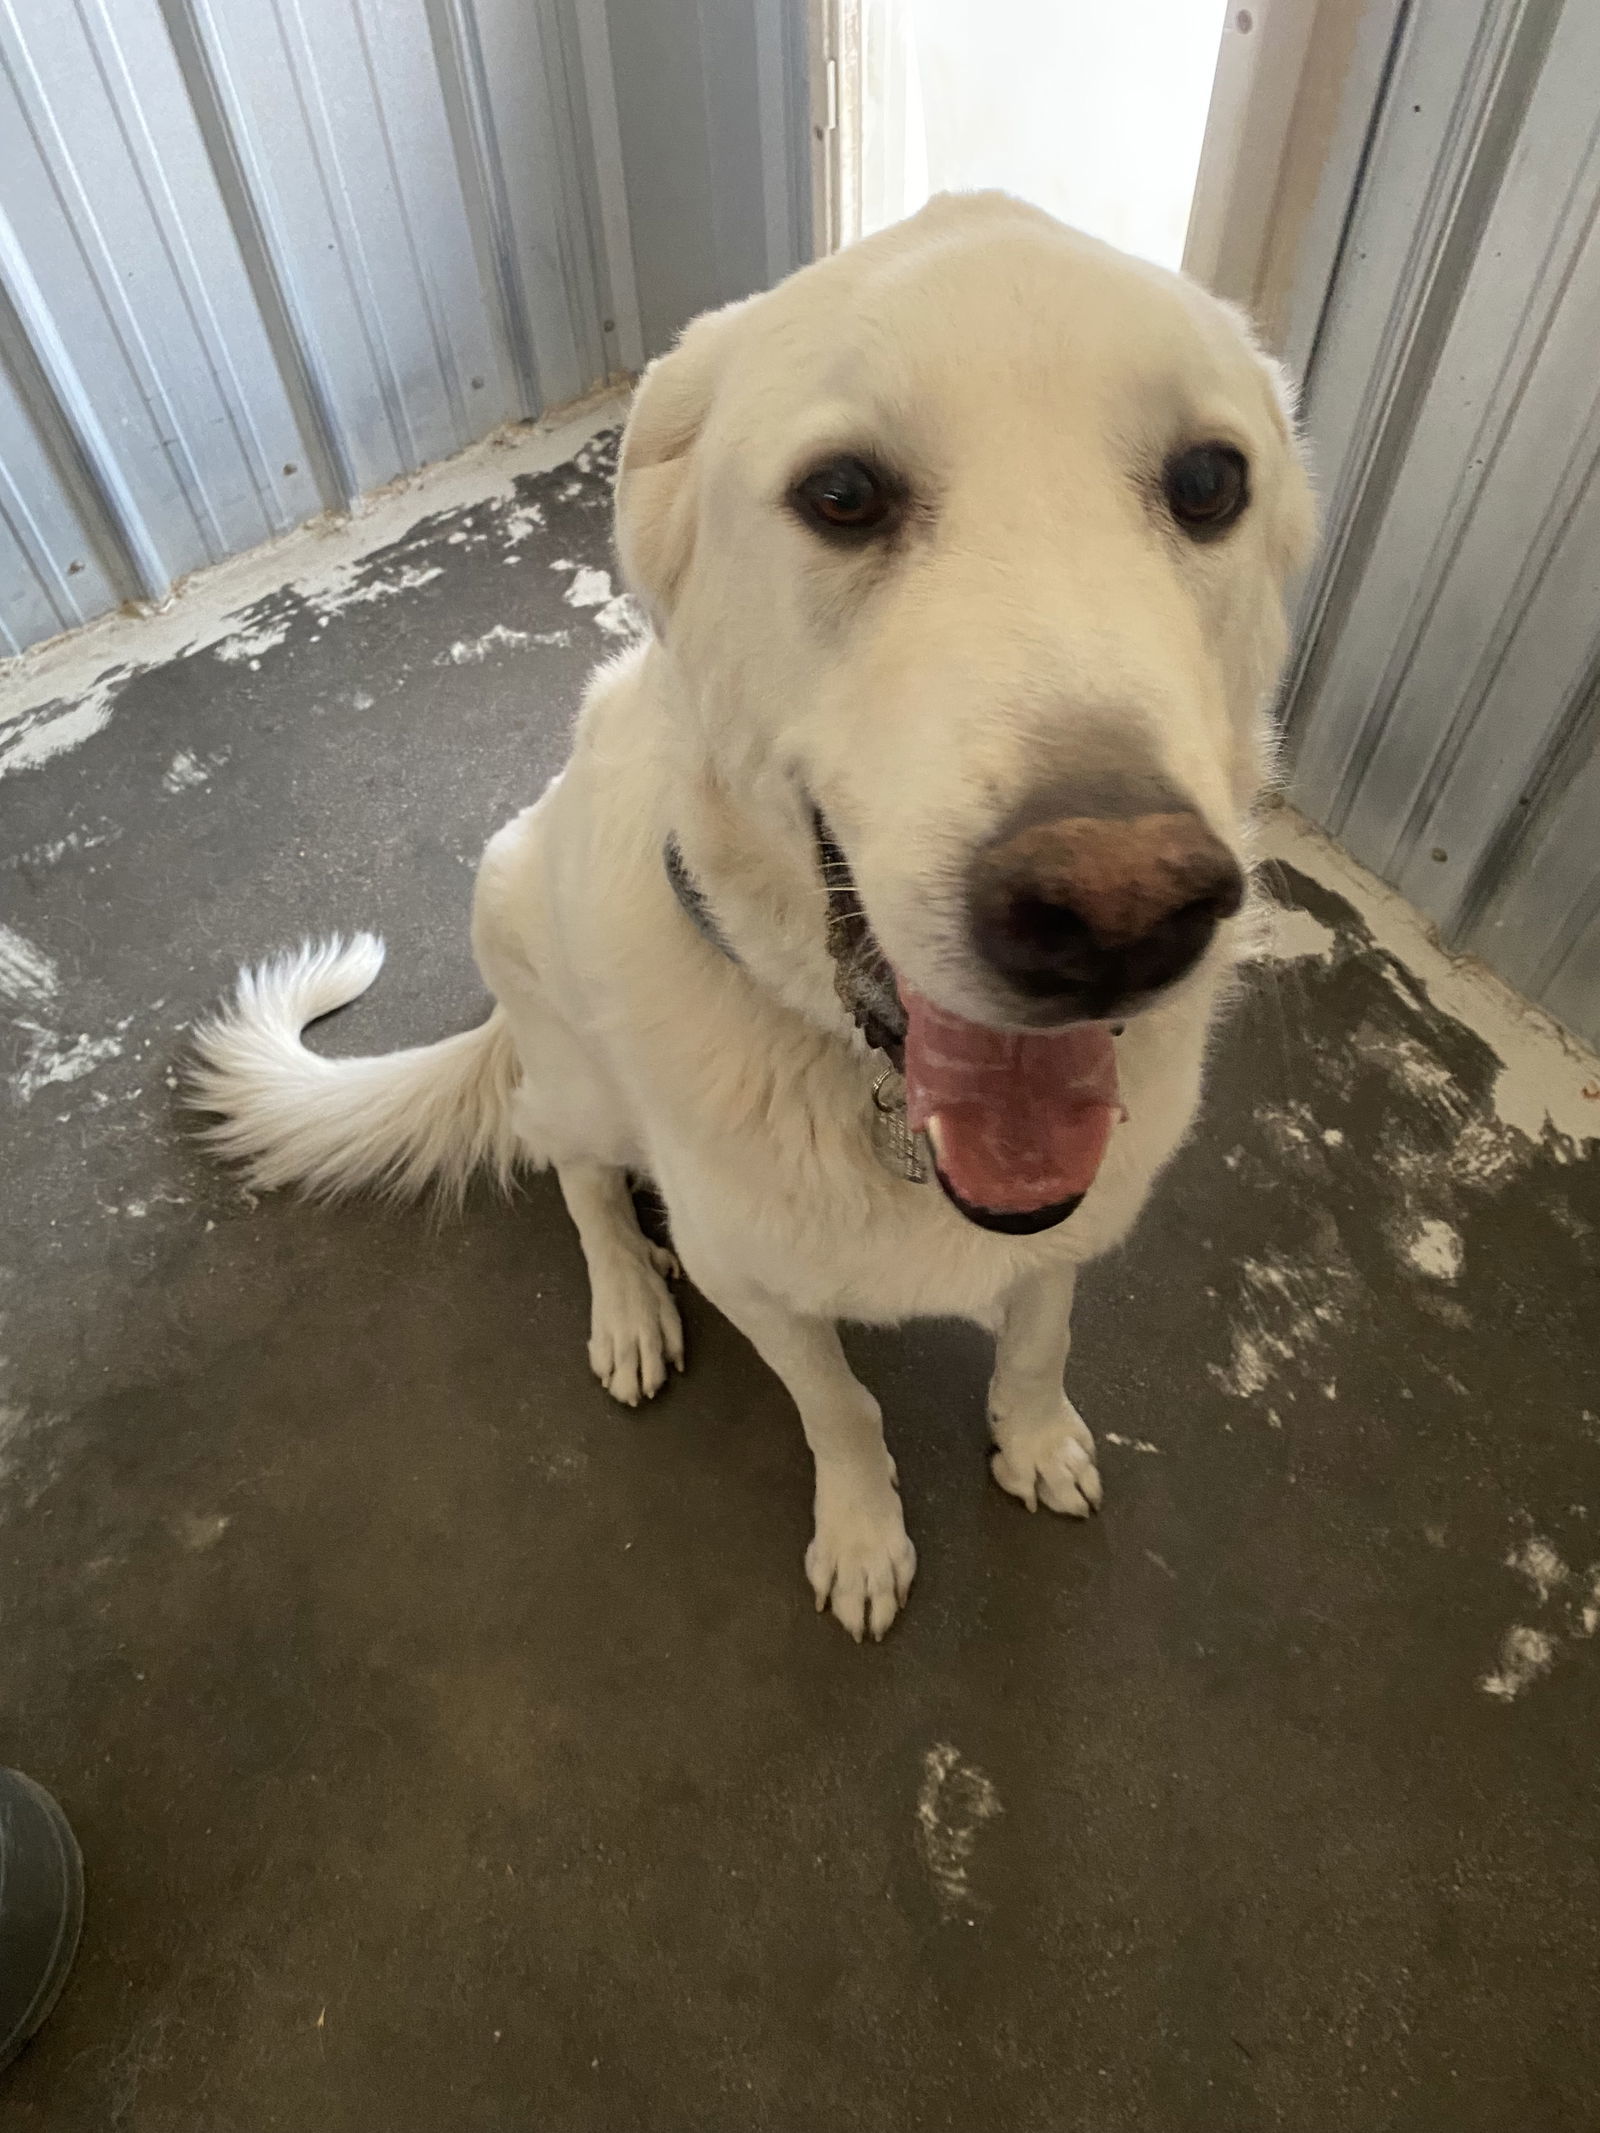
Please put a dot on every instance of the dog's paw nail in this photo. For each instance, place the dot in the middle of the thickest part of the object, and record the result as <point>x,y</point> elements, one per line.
<point>1050,1464</point>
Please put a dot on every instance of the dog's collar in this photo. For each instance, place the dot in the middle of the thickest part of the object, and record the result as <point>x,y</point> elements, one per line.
<point>696,905</point>
<point>861,978</point>
<point>861,974</point>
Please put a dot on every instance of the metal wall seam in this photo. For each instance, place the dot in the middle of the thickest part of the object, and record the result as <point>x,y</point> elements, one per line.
<point>1363,400</point>
<point>611,185</point>
<point>65,412</point>
<point>583,250</point>
<point>328,145</point>
<point>426,267</point>
<point>1483,490</point>
<point>247,198</point>
<point>526,93</point>
<point>775,114</point>
<point>102,148</point>
<point>52,575</point>
<point>378,246</point>
<point>152,570</point>
<point>1528,641</point>
<point>731,104</point>
<point>459,50</point>
<point>114,211</point>
<point>1531,829</point>
<point>240,415</point>
<point>1541,926</point>
<point>1379,41</point>
<point>1446,715</point>
<point>1514,338</point>
<point>266,255</point>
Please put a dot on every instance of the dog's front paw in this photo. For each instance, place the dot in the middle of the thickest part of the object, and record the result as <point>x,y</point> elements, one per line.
<point>860,1561</point>
<point>635,1332</point>
<point>1047,1459</point>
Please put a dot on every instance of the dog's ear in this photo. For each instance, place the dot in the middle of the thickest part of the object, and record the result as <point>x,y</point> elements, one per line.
<point>656,499</point>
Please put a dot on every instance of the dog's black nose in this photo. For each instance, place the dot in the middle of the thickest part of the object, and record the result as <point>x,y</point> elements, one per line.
<point>1085,913</point>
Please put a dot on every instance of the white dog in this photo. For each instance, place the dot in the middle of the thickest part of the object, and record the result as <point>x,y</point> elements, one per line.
<point>881,911</point>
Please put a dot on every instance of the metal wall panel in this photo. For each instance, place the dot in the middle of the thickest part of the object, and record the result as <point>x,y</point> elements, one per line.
<point>258,257</point>
<point>118,267</point>
<point>1442,716</point>
<point>51,575</point>
<point>721,205</point>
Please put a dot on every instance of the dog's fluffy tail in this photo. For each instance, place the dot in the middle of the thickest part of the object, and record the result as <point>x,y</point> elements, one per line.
<point>396,1124</point>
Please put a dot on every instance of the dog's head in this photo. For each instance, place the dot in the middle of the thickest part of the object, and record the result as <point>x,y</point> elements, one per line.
<point>977,534</point>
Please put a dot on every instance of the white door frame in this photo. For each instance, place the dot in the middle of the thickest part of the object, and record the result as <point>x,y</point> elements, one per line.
<point>1297,85</point>
<point>833,41</point>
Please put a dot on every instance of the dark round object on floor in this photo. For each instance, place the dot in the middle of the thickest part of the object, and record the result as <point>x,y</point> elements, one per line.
<point>41,1907</point>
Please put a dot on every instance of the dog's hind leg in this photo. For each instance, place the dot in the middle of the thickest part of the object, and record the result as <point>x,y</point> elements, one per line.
<point>1043,1450</point>
<point>634,1328</point>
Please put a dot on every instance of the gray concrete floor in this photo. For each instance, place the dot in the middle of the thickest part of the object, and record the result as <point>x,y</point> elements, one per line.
<point>451,1751</point>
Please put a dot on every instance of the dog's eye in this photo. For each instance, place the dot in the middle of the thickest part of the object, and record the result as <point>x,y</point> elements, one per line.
<point>843,496</point>
<point>1206,487</point>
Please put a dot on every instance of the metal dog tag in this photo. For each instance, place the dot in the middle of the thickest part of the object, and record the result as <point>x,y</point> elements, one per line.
<point>902,1153</point>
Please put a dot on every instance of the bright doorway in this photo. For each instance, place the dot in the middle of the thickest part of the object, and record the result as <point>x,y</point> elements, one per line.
<point>1094,109</point>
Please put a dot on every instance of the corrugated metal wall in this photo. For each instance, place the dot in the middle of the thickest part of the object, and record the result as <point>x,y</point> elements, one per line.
<point>258,257</point>
<point>1444,718</point>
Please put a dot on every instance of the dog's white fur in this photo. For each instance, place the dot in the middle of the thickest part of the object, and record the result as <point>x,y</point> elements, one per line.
<point>1040,616</point>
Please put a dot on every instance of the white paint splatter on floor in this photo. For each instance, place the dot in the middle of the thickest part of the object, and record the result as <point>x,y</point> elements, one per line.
<point>27,975</point>
<point>1246,1372</point>
<point>620,617</point>
<point>1285,935</point>
<point>1291,1127</point>
<point>1434,1248</point>
<point>347,589</point>
<point>468,651</point>
<point>589,588</point>
<point>614,613</point>
<point>1525,1654</point>
<point>57,848</point>
<point>252,645</point>
<point>35,733</point>
<point>184,771</point>
<point>1285,1314</point>
<point>1538,1562</point>
<point>521,522</point>
<point>53,1058</point>
<point>1571,1603</point>
<point>1426,1077</point>
<point>954,1802</point>
<point>1130,1444</point>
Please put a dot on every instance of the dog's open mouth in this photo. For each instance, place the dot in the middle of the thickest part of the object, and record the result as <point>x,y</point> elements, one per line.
<point>1018,1119</point>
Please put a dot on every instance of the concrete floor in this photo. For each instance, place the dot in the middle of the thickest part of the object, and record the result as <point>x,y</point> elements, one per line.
<point>451,1751</point>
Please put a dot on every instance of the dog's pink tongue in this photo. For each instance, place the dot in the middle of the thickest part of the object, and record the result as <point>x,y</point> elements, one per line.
<point>1019,1119</point>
